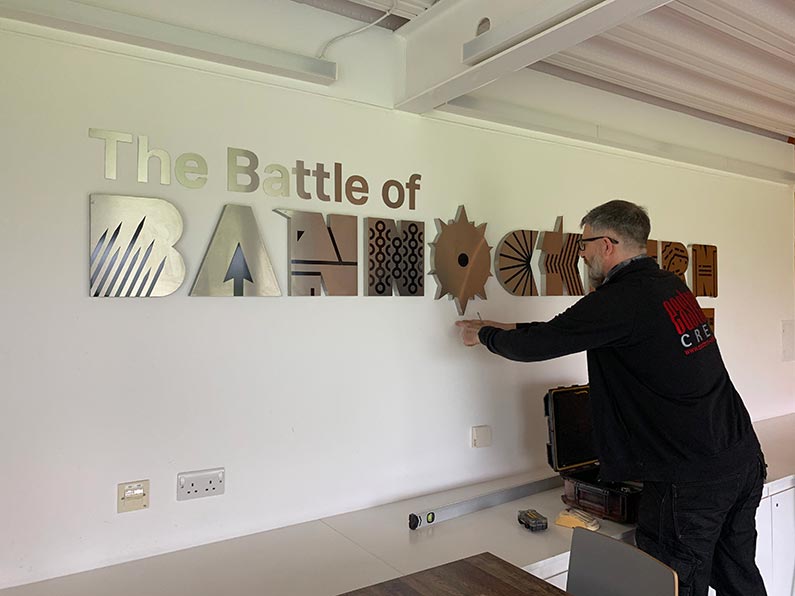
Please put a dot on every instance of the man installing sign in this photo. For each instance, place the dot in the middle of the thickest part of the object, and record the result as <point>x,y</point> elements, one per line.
<point>664,409</point>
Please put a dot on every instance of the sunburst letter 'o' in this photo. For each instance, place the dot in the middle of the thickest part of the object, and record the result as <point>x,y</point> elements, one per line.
<point>461,260</point>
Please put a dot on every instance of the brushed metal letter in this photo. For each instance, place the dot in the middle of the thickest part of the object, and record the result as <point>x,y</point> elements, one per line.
<point>385,195</point>
<point>142,232</point>
<point>322,256</point>
<point>674,258</point>
<point>191,163</point>
<point>276,186</point>
<point>704,272</point>
<point>356,185</point>
<point>144,154</point>
<point>395,257</point>
<point>413,186</point>
<point>233,169</point>
<point>111,138</point>
<point>513,262</point>
<point>461,260</point>
<point>236,255</point>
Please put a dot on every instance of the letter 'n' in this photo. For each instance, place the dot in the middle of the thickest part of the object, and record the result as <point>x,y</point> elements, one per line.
<point>395,257</point>
<point>704,276</point>
<point>322,256</point>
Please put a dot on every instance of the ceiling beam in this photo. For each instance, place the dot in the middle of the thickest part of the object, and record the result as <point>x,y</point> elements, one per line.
<point>407,9</point>
<point>680,82</point>
<point>761,29</point>
<point>435,74</point>
<point>584,79</point>
<point>485,113</point>
<point>125,28</point>
<point>359,12</point>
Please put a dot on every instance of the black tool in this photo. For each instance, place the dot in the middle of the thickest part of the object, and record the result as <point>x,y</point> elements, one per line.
<point>532,520</point>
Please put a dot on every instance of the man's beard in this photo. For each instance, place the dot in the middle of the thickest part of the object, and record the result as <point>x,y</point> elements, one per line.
<point>596,274</point>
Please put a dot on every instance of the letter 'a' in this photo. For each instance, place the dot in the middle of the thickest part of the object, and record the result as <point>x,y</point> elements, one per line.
<point>236,262</point>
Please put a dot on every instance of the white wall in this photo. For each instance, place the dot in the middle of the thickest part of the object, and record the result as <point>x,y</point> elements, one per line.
<point>314,406</point>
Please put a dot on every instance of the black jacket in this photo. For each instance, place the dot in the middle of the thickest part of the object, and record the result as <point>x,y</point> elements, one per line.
<point>662,403</point>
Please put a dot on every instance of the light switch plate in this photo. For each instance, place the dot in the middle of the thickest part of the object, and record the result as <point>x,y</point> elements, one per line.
<point>200,483</point>
<point>132,496</point>
<point>481,436</point>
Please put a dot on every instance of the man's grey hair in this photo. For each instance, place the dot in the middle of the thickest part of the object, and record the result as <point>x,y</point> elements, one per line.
<point>629,221</point>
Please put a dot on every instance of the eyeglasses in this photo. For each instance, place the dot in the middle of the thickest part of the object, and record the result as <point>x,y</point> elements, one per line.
<point>581,242</point>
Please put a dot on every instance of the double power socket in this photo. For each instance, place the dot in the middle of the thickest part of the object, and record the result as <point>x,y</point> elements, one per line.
<point>198,484</point>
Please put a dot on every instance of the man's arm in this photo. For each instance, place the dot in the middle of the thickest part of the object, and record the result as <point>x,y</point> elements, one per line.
<point>594,321</point>
<point>470,328</point>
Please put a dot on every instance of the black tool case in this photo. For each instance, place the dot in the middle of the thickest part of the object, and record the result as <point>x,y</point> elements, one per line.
<point>571,453</point>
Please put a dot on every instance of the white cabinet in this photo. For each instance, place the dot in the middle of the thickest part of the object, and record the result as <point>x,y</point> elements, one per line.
<point>775,548</point>
<point>764,543</point>
<point>783,543</point>
<point>559,580</point>
<point>554,570</point>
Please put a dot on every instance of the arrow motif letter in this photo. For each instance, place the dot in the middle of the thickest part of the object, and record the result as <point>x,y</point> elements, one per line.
<point>238,270</point>
<point>236,252</point>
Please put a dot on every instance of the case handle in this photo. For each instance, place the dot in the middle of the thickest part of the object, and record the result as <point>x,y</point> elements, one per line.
<point>598,499</point>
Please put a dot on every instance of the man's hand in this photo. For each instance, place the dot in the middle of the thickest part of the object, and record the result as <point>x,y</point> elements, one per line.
<point>470,328</point>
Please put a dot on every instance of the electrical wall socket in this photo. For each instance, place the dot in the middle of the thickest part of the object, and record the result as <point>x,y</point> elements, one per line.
<point>200,483</point>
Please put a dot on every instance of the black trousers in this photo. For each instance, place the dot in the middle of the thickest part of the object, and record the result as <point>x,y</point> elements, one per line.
<point>706,531</point>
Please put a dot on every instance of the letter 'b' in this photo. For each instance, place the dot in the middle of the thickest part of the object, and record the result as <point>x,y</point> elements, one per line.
<point>132,247</point>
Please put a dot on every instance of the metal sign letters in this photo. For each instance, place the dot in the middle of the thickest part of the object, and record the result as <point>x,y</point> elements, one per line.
<point>236,263</point>
<point>132,247</point>
<point>320,255</point>
<point>395,257</point>
<point>132,238</point>
<point>461,260</point>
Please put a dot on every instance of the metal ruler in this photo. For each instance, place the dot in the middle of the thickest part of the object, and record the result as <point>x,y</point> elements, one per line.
<point>506,495</point>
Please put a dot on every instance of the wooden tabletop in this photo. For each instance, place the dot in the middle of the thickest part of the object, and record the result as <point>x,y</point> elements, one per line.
<point>480,575</point>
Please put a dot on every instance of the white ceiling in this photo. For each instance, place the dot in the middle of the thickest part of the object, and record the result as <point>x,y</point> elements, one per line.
<point>731,58</point>
<point>731,61</point>
<point>727,60</point>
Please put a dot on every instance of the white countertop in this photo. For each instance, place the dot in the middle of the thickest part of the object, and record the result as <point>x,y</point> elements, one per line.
<point>777,436</point>
<point>353,550</point>
<point>383,531</point>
